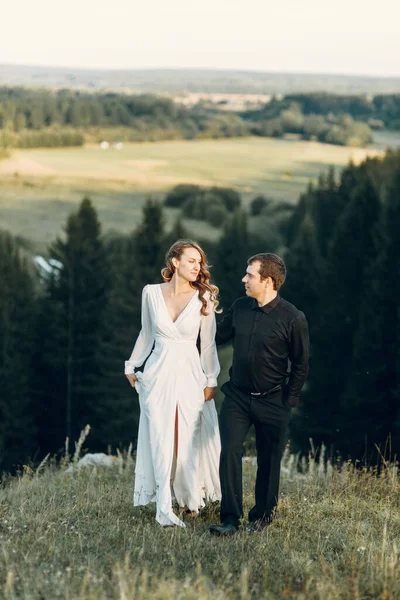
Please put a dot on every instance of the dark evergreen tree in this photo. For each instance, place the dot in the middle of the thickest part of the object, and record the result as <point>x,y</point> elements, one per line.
<point>305,268</point>
<point>325,204</point>
<point>50,366</point>
<point>352,249</point>
<point>147,244</point>
<point>17,321</point>
<point>304,206</point>
<point>370,403</point>
<point>74,313</point>
<point>231,259</point>
<point>137,260</point>
<point>178,232</point>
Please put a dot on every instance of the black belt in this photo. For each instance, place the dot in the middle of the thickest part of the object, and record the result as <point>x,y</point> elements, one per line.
<point>259,394</point>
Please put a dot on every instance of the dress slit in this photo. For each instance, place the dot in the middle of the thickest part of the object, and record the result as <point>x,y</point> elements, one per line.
<point>176,432</point>
<point>175,452</point>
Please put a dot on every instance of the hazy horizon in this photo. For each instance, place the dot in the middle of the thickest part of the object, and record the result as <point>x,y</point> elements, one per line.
<point>204,68</point>
<point>349,38</point>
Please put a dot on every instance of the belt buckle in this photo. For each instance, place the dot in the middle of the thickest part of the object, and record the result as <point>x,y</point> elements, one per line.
<point>255,394</point>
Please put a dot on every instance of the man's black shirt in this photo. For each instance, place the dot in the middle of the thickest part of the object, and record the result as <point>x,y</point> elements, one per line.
<point>264,340</point>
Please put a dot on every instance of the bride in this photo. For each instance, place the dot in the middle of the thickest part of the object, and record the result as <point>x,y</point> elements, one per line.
<point>178,440</point>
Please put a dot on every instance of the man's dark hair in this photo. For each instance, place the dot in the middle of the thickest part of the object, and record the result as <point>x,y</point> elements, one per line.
<point>272,266</point>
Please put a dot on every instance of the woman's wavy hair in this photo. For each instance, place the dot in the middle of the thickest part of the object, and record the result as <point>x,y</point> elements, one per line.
<point>202,283</point>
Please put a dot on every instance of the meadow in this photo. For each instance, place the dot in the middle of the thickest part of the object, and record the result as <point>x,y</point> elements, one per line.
<point>77,536</point>
<point>40,187</point>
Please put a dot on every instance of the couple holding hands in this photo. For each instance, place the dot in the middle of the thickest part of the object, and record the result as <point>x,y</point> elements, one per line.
<point>181,447</point>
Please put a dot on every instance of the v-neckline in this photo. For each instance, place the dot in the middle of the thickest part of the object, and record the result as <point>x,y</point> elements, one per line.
<point>166,307</point>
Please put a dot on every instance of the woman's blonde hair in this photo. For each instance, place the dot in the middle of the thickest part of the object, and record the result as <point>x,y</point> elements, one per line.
<point>202,283</point>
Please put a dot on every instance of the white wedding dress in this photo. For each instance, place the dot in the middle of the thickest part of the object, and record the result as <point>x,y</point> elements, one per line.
<point>173,381</point>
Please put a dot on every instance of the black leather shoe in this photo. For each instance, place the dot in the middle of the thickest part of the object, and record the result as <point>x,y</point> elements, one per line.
<point>223,530</point>
<point>257,526</point>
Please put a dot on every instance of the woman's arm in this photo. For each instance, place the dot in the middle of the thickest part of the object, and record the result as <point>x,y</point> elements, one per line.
<point>208,348</point>
<point>145,340</point>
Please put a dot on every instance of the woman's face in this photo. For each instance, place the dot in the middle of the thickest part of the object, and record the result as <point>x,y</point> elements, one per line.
<point>188,266</point>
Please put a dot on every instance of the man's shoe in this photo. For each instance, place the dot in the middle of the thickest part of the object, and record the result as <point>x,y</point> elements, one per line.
<point>223,530</point>
<point>257,526</point>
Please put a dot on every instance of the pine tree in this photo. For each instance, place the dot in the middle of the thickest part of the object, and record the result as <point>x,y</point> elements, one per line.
<point>305,267</point>
<point>74,312</point>
<point>231,259</point>
<point>178,232</point>
<point>303,206</point>
<point>50,368</point>
<point>146,249</point>
<point>371,400</point>
<point>327,207</point>
<point>17,321</point>
<point>137,261</point>
<point>352,249</point>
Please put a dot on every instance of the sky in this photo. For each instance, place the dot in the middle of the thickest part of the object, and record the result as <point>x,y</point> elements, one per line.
<point>359,37</point>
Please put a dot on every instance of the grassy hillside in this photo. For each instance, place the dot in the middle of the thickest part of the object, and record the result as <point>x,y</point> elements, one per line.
<point>39,188</point>
<point>77,536</point>
<point>279,167</point>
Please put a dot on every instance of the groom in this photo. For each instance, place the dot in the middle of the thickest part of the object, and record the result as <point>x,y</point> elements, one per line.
<point>267,332</point>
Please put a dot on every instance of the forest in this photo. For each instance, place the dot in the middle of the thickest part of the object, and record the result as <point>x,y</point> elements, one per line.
<point>67,323</point>
<point>44,118</point>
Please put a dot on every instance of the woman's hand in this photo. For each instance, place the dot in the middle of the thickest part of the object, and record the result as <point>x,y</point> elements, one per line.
<point>209,393</point>
<point>132,379</point>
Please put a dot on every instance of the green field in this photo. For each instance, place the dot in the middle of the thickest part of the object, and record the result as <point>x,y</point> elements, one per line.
<point>40,187</point>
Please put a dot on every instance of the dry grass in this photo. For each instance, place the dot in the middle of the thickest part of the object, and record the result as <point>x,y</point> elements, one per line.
<point>77,536</point>
<point>249,164</point>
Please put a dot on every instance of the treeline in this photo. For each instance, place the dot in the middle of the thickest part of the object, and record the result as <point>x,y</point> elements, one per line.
<point>380,111</point>
<point>344,271</point>
<point>66,329</point>
<point>331,118</point>
<point>332,129</point>
<point>30,118</point>
<point>44,138</point>
<point>46,118</point>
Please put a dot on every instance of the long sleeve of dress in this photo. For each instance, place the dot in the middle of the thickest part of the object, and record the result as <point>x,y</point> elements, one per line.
<point>208,348</point>
<point>145,340</point>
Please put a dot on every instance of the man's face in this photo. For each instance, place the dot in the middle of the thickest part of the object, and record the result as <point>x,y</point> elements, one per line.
<point>254,285</point>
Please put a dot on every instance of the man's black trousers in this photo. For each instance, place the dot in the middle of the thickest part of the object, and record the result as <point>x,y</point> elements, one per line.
<point>270,417</point>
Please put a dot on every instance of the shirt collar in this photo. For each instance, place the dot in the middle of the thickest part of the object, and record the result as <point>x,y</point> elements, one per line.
<point>267,307</point>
